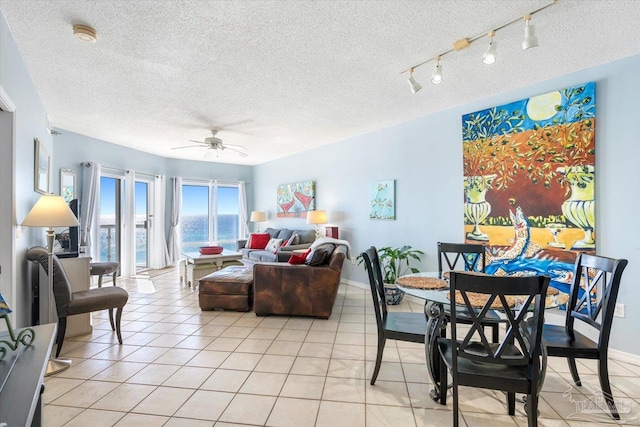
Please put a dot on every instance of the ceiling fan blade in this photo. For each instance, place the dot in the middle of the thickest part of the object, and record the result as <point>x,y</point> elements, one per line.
<point>238,152</point>
<point>187,146</point>
<point>199,142</point>
<point>237,147</point>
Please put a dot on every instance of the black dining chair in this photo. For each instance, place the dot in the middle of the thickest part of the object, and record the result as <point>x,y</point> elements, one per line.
<point>69,303</point>
<point>467,257</point>
<point>592,301</point>
<point>515,364</point>
<point>401,326</point>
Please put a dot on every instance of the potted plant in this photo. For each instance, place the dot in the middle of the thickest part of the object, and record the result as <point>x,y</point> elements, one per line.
<point>395,262</point>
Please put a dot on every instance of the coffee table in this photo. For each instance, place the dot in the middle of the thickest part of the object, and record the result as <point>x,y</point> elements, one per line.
<point>195,266</point>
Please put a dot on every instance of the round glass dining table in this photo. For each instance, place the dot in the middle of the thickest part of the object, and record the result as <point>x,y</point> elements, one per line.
<point>436,308</point>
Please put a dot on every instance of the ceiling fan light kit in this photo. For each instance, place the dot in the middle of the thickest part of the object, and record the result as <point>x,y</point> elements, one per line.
<point>490,55</point>
<point>214,143</point>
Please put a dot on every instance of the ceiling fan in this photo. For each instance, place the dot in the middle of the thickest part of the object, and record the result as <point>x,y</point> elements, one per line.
<point>215,143</point>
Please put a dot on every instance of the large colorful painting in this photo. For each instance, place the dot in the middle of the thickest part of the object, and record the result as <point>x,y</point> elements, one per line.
<point>529,179</point>
<point>294,200</point>
<point>382,199</point>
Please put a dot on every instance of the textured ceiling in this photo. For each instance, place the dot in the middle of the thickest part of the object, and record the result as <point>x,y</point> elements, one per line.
<point>280,77</point>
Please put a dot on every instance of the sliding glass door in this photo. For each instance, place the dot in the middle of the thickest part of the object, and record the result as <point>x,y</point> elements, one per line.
<point>110,218</point>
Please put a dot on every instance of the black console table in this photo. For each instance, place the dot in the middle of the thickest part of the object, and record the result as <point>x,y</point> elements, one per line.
<point>21,396</point>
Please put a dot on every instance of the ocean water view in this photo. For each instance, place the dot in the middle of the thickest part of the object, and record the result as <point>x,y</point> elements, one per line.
<point>195,233</point>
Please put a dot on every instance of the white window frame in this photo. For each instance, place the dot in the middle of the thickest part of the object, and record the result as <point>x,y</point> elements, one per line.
<point>212,212</point>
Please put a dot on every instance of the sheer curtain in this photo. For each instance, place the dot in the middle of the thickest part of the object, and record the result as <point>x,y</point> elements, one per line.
<point>158,253</point>
<point>90,207</point>
<point>176,214</point>
<point>128,246</point>
<point>242,204</point>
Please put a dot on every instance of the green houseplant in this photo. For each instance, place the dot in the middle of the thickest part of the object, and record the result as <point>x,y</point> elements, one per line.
<point>395,262</point>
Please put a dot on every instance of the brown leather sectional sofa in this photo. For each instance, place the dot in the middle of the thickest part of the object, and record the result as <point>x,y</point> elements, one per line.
<point>297,290</point>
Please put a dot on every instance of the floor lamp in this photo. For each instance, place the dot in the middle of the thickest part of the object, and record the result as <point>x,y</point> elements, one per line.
<point>51,211</point>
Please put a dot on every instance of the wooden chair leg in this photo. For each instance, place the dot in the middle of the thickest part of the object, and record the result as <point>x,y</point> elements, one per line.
<point>381,342</point>
<point>456,414</point>
<point>532,410</point>
<point>511,403</point>
<point>603,374</point>
<point>118,318</point>
<point>113,327</point>
<point>114,277</point>
<point>574,370</point>
<point>100,281</point>
<point>62,328</point>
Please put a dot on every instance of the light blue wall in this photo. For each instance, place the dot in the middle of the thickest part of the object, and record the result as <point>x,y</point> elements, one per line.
<point>30,123</point>
<point>424,156</point>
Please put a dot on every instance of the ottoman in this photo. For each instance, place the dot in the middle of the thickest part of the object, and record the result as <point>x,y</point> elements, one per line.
<point>230,288</point>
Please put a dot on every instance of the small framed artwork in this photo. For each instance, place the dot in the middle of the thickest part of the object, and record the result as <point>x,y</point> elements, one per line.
<point>41,168</point>
<point>382,199</point>
<point>68,184</point>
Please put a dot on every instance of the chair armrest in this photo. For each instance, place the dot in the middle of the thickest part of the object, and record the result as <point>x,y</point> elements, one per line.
<point>240,244</point>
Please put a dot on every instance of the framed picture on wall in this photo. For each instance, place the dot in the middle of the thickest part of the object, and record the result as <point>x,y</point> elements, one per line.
<point>41,168</point>
<point>382,199</point>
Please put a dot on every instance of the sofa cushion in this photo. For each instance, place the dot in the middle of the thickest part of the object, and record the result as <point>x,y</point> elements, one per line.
<point>273,245</point>
<point>284,234</point>
<point>258,240</point>
<point>306,236</point>
<point>299,258</point>
<point>293,240</point>
<point>321,254</point>
<point>273,232</point>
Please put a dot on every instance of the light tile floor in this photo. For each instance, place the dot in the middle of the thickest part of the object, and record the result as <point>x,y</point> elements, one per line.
<point>180,366</point>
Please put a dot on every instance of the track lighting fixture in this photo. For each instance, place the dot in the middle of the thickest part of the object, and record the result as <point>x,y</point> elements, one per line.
<point>415,86</point>
<point>489,56</point>
<point>436,77</point>
<point>530,39</point>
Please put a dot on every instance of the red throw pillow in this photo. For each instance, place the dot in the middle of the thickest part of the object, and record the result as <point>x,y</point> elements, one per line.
<point>258,240</point>
<point>299,258</point>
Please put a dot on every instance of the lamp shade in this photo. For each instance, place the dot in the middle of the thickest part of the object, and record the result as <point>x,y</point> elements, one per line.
<point>50,211</point>
<point>258,216</point>
<point>316,217</point>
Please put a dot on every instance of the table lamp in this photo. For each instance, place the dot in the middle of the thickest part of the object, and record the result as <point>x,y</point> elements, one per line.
<point>317,218</point>
<point>258,217</point>
<point>51,211</point>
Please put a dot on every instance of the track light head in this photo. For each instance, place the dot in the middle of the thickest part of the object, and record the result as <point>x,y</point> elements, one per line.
<point>415,86</point>
<point>489,56</point>
<point>530,39</point>
<point>436,77</point>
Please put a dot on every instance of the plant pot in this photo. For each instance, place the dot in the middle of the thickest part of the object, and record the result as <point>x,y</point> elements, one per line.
<point>392,294</point>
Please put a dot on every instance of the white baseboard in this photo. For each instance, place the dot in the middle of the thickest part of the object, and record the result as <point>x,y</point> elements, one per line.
<point>360,285</point>
<point>555,318</point>
<point>621,356</point>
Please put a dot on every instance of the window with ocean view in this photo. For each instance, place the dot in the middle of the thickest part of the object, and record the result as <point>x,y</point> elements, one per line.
<point>210,216</point>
